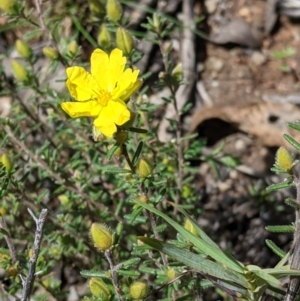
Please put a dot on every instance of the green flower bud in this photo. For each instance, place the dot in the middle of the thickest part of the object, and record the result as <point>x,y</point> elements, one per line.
<point>3,212</point>
<point>6,161</point>
<point>20,71</point>
<point>189,226</point>
<point>8,6</point>
<point>156,22</point>
<point>97,8</point>
<point>73,47</point>
<point>118,153</point>
<point>101,236</point>
<point>50,53</point>
<point>114,10</point>
<point>284,160</point>
<point>139,290</point>
<point>121,137</point>
<point>144,168</point>
<point>23,49</point>
<point>104,37</point>
<point>64,200</point>
<point>177,72</point>
<point>99,289</point>
<point>124,41</point>
<point>97,135</point>
<point>171,274</point>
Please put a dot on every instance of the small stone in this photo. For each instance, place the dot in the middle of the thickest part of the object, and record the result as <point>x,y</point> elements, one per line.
<point>214,64</point>
<point>258,58</point>
<point>211,5</point>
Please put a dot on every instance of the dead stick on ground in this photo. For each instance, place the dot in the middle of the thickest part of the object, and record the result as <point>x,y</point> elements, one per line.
<point>28,283</point>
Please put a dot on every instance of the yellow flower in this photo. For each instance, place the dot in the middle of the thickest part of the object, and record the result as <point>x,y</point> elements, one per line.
<point>102,93</point>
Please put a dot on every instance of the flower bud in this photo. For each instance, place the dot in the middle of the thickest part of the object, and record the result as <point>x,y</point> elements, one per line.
<point>189,226</point>
<point>171,274</point>
<point>284,160</point>
<point>97,135</point>
<point>104,37</point>
<point>118,153</point>
<point>156,22</point>
<point>99,289</point>
<point>177,72</point>
<point>12,271</point>
<point>73,47</point>
<point>20,71</point>
<point>50,53</point>
<point>23,49</point>
<point>124,41</point>
<point>97,8</point>
<point>114,10</point>
<point>8,6</point>
<point>101,236</point>
<point>6,161</point>
<point>144,168</point>
<point>139,290</point>
<point>3,212</point>
<point>121,137</point>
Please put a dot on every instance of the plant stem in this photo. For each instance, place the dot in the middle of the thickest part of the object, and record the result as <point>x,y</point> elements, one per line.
<point>114,274</point>
<point>27,285</point>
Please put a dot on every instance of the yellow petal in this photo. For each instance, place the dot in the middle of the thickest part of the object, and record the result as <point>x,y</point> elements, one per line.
<point>116,67</point>
<point>81,84</point>
<point>131,90</point>
<point>82,109</point>
<point>114,113</point>
<point>106,127</point>
<point>100,68</point>
<point>126,81</point>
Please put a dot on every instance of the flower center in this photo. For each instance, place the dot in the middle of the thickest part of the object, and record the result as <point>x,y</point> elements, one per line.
<point>103,97</point>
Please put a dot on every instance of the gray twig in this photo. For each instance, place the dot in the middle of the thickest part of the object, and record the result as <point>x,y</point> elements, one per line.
<point>114,275</point>
<point>28,283</point>
<point>9,243</point>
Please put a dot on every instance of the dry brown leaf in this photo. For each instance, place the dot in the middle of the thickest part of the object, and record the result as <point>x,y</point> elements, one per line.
<point>266,121</point>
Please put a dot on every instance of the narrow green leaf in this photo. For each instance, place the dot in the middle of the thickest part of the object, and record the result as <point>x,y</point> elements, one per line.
<point>117,170</point>
<point>197,262</point>
<point>295,126</point>
<point>94,274</point>
<point>275,248</point>
<point>41,195</point>
<point>130,262</point>
<point>135,214</point>
<point>279,186</point>
<point>188,137</point>
<point>271,280</point>
<point>127,273</point>
<point>214,251</point>
<point>280,229</point>
<point>138,130</point>
<point>112,151</point>
<point>82,30</point>
<point>283,272</point>
<point>160,195</point>
<point>292,203</point>
<point>218,149</point>
<point>229,161</point>
<point>292,141</point>
<point>137,152</point>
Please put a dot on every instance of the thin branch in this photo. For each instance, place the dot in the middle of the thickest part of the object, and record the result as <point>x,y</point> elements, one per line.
<point>46,30</point>
<point>28,283</point>
<point>11,247</point>
<point>114,274</point>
